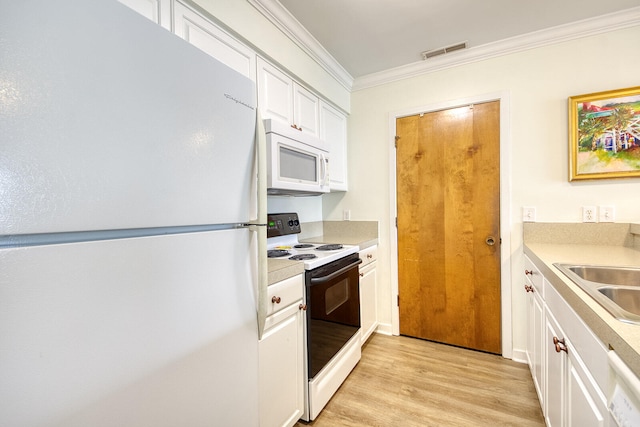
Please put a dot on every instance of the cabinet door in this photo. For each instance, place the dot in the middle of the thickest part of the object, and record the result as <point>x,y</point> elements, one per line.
<point>555,374</point>
<point>275,93</point>
<point>333,130</point>
<point>368,311</point>
<point>281,367</point>
<point>306,107</point>
<point>535,340</point>
<point>158,11</point>
<point>206,36</point>
<point>538,349</point>
<point>586,406</point>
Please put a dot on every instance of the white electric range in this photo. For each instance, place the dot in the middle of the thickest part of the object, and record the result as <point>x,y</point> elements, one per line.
<point>331,305</point>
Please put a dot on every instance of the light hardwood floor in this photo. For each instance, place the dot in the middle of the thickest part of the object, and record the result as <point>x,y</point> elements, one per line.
<point>408,382</point>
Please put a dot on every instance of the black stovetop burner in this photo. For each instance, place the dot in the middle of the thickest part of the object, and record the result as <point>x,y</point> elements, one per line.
<point>304,246</point>
<point>277,253</point>
<point>331,247</point>
<point>302,257</point>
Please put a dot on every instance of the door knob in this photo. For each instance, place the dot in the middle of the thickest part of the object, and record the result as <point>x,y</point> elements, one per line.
<point>490,241</point>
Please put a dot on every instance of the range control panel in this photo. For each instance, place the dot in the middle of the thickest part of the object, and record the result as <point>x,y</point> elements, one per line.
<point>282,224</point>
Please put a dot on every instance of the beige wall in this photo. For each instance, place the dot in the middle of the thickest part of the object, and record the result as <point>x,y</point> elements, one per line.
<point>538,81</point>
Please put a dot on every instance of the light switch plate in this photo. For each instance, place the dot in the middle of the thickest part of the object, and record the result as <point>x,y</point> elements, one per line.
<point>528,214</point>
<point>606,213</point>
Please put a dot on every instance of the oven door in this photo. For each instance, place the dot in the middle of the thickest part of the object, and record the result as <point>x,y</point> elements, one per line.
<point>333,310</point>
<point>295,168</point>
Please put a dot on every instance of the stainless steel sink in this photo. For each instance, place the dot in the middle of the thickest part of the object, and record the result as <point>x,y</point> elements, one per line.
<point>627,298</point>
<point>617,289</point>
<point>624,276</point>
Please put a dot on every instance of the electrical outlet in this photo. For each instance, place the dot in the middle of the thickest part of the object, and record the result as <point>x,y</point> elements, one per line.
<point>528,214</point>
<point>346,215</point>
<point>606,214</point>
<point>589,214</point>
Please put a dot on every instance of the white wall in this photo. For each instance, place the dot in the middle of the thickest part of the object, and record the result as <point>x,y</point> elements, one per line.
<point>251,25</point>
<point>309,209</point>
<point>539,82</point>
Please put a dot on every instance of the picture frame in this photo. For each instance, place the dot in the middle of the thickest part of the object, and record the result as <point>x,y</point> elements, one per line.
<point>604,135</point>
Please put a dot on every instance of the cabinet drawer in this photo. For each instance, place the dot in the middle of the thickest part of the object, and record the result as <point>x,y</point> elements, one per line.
<point>282,294</point>
<point>368,255</point>
<point>534,276</point>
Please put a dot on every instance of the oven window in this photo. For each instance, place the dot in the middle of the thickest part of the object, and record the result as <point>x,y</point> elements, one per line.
<point>335,296</point>
<point>297,165</point>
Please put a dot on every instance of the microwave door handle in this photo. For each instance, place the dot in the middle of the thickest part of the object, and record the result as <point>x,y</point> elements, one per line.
<point>325,171</point>
<point>323,279</point>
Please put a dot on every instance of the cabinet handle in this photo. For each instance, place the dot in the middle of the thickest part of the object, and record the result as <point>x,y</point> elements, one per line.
<point>528,288</point>
<point>560,345</point>
<point>361,274</point>
<point>296,127</point>
<point>369,256</point>
<point>528,272</point>
<point>303,307</point>
<point>276,300</point>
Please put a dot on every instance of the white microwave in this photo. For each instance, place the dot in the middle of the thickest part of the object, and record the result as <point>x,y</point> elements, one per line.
<point>297,163</point>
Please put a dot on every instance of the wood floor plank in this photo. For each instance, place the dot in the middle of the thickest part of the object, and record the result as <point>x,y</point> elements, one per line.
<point>402,381</point>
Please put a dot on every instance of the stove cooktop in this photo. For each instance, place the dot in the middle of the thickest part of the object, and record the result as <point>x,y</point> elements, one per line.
<point>282,243</point>
<point>313,255</point>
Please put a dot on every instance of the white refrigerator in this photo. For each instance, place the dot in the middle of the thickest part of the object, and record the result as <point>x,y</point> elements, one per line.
<point>128,274</point>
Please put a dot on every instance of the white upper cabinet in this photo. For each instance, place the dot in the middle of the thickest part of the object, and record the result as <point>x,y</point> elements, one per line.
<point>281,98</point>
<point>202,33</point>
<point>333,130</point>
<point>158,11</point>
<point>305,110</point>
<point>275,93</point>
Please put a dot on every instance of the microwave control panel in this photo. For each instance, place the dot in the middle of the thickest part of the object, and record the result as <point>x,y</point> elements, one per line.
<point>282,224</point>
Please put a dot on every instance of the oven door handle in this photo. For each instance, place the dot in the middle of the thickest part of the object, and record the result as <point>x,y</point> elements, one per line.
<point>323,279</point>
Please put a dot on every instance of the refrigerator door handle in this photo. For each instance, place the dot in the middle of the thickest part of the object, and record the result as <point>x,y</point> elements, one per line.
<point>261,222</point>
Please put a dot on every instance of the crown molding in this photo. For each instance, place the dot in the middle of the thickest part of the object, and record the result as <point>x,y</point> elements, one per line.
<point>585,28</point>
<point>293,29</point>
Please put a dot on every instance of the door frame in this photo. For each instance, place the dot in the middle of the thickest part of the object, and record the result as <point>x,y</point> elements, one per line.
<point>505,206</point>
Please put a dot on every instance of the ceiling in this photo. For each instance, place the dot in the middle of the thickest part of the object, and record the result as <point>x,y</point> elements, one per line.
<point>369,36</point>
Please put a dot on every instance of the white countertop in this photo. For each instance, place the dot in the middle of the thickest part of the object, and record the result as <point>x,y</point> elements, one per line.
<point>624,338</point>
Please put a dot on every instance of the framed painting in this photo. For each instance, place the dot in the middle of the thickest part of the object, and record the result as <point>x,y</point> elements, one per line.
<point>604,134</point>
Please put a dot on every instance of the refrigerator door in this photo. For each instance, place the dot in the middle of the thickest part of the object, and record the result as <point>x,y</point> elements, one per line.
<point>154,331</point>
<point>111,122</point>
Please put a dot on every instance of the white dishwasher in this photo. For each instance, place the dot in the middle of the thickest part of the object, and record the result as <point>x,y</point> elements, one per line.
<point>624,394</point>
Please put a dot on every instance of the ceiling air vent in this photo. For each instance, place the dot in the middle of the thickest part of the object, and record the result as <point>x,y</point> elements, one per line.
<point>441,51</point>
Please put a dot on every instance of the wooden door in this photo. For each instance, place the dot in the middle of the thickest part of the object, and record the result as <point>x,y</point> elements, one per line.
<point>448,196</point>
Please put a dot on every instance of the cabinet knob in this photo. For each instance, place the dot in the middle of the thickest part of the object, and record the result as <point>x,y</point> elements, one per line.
<point>276,300</point>
<point>528,272</point>
<point>361,274</point>
<point>369,256</point>
<point>303,307</point>
<point>560,345</point>
<point>528,288</point>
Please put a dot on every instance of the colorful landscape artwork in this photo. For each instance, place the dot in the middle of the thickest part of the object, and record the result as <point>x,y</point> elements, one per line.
<point>604,134</point>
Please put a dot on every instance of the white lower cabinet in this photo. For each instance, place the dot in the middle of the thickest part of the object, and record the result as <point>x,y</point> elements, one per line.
<point>281,355</point>
<point>368,293</point>
<point>574,364</point>
<point>535,336</point>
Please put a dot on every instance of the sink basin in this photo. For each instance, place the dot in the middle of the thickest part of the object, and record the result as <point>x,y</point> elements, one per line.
<point>624,276</point>
<point>625,297</point>
<point>616,289</point>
